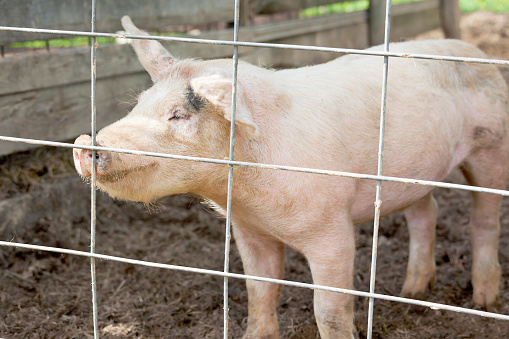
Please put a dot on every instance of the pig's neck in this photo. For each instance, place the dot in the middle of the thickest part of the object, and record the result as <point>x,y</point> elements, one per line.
<point>214,185</point>
<point>249,186</point>
<point>254,189</point>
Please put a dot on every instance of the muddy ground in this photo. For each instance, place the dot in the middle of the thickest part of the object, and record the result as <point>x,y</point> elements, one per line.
<point>46,295</point>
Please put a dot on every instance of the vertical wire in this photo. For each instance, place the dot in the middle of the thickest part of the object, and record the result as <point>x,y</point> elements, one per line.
<point>378,202</point>
<point>230,172</point>
<point>93,197</point>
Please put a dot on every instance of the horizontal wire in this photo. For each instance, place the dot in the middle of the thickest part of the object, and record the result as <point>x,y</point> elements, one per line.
<point>266,166</point>
<point>260,44</point>
<point>432,305</point>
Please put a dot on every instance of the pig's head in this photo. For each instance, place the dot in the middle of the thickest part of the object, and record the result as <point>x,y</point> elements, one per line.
<point>186,112</point>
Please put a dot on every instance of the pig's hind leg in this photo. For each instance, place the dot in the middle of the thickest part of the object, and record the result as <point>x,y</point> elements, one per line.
<point>488,167</point>
<point>421,271</point>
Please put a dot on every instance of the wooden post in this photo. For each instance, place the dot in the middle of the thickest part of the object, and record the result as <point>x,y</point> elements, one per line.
<point>450,18</point>
<point>376,22</point>
<point>245,12</point>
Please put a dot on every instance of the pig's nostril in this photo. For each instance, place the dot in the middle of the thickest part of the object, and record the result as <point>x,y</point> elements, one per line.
<point>98,155</point>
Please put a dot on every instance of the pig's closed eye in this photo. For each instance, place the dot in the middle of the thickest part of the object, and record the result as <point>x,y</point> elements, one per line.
<point>178,113</point>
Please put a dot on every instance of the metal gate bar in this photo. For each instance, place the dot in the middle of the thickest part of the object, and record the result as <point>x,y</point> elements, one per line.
<point>378,201</point>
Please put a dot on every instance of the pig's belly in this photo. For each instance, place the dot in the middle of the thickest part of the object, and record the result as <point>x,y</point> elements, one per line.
<point>418,163</point>
<point>398,196</point>
<point>394,196</point>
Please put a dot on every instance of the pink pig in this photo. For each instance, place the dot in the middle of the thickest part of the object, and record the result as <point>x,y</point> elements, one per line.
<point>440,116</point>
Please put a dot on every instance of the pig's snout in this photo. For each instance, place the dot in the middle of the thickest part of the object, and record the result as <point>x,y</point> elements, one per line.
<point>83,157</point>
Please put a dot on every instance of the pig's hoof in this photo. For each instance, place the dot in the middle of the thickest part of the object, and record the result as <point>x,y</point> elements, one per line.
<point>257,336</point>
<point>267,328</point>
<point>417,287</point>
<point>487,285</point>
<point>487,299</point>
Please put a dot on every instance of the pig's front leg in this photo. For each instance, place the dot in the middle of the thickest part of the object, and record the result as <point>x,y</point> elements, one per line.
<point>261,256</point>
<point>331,252</point>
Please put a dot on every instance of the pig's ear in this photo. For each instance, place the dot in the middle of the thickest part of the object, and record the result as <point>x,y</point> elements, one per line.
<point>218,91</point>
<point>152,55</point>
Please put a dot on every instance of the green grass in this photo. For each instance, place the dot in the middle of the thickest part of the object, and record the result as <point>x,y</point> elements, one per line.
<point>467,6</point>
<point>343,7</point>
<point>78,41</point>
<point>59,43</point>
<point>500,6</point>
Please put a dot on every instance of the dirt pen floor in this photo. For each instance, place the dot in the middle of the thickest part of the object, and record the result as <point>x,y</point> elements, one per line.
<point>47,295</point>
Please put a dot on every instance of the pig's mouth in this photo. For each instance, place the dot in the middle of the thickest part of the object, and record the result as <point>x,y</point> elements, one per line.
<point>118,175</point>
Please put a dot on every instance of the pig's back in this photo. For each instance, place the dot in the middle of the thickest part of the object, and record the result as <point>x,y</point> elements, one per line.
<point>433,108</point>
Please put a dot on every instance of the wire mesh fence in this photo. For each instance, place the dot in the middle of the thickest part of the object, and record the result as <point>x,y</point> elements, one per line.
<point>386,54</point>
